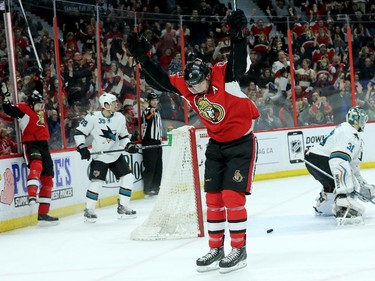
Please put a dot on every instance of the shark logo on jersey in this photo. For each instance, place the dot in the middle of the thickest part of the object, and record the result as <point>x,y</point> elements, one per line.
<point>109,135</point>
<point>210,111</point>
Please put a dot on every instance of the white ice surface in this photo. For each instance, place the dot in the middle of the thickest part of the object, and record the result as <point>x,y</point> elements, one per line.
<point>302,247</point>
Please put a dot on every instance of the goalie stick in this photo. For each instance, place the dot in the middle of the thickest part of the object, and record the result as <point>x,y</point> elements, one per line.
<point>123,149</point>
<point>365,198</point>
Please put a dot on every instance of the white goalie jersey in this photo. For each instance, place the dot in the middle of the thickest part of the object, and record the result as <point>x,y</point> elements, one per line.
<point>108,133</point>
<point>344,147</point>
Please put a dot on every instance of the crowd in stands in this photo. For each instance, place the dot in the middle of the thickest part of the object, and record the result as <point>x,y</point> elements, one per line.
<point>320,56</point>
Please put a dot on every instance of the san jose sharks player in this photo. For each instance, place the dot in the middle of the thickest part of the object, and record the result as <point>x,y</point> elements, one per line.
<point>108,130</point>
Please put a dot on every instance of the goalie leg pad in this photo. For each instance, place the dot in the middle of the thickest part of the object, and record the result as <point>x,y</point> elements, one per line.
<point>347,210</point>
<point>342,175</point>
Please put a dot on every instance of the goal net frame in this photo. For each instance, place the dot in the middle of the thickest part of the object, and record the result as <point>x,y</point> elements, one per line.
<point>177,212</point>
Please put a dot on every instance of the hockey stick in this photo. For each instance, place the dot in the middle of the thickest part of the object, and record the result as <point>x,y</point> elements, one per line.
<point>364,198</point>
<point>31,38</point>
<point>123,149</point>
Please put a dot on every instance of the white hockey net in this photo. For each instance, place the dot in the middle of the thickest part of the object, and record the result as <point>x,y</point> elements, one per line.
<point>178,209</point>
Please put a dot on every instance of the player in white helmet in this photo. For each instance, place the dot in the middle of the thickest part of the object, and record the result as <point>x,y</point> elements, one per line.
<point>108,130</point>
<point>339,155</point>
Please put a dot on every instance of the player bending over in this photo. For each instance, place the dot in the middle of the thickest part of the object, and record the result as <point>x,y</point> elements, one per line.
<point>339,155</point>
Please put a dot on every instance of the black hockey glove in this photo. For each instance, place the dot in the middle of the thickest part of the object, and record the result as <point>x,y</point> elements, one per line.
<point>84,151</point>
<point>237,23</point>
<point>131,148</point>
<point>138,47</point>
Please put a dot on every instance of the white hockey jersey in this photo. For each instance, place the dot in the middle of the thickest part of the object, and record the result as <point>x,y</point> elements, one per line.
<point>108,133</point>
<point>343,142</point>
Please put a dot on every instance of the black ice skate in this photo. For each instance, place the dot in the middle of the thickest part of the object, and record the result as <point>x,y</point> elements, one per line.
<point>47,220</point>
<point>235,260</point>
<point>125,212</point>
<point>90,216</point>
<point>210,261</point>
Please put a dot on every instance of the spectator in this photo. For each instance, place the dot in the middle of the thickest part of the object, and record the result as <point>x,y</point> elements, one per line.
<point>21,42</point>
<point>324,67</point>
<point>323,37</point>
<point>208,49</point>
<point>131,122</point>
<point>54,128</point>
<point>320,111</point>
<point>305,76</point>
<point>267,120</point>
<point>260,38</point>
<point>276,45</point>
<point>71,45</point>
<point>168,39</point>
<point>367,70</point>
<point>7,144</point>
<point>176,64</point>
<point>321,53</point>
<point>265,78</point>
<point>166,59</point>
<point>281,63</point>
<point>371,109</point>
<point>341,102</point>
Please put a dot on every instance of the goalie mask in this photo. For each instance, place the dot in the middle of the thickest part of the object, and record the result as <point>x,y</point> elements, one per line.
<point>357,116</point>
<point>106,98</point>
<point>195,72</point>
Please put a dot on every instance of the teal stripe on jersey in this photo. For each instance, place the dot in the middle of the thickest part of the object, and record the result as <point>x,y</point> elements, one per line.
<point>341,155</point>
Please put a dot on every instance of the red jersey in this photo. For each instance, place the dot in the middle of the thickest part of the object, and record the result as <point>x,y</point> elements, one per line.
<point>33,125</point>
<point>318,56</point>
<point>225,110</point>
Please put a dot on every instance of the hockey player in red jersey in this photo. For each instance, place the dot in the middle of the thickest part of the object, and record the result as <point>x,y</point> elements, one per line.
<point>228,114</point>
<point>35,135</point>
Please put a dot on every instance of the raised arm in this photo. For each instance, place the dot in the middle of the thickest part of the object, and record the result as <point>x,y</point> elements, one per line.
<point>238,60</point>
<point>155,76</point>
<point>8,108</point>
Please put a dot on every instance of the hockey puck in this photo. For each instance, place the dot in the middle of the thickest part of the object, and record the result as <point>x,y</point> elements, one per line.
<point>270,230</point>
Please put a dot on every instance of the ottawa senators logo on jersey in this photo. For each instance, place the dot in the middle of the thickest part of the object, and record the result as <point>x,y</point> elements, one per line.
<point>41,121</point>
<point>210,111</point>
<point>237,177</point>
